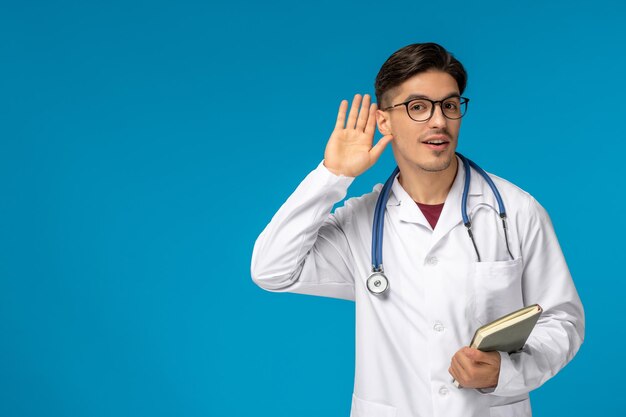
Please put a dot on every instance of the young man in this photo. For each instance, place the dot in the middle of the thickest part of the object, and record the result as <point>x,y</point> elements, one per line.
<point>411,340</point>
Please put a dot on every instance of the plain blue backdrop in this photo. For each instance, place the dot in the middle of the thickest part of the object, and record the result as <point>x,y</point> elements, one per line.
<point>145,144</point>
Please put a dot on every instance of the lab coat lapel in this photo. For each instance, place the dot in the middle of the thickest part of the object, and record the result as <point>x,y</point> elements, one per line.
<point>402,203</point>
<point>451,214</point>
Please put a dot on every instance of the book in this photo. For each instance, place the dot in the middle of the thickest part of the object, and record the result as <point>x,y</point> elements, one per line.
<point>508,333</point>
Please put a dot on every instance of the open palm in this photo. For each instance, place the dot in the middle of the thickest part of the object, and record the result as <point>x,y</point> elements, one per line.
<point>349,150</point>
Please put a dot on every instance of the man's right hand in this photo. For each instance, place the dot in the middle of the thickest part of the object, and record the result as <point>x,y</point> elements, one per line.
<point>349,150</point>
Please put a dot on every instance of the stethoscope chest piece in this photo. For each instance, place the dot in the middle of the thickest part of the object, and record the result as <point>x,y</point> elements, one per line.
<point>377,283</point>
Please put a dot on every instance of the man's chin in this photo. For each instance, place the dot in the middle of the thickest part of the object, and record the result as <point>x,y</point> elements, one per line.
<point>438,165</point>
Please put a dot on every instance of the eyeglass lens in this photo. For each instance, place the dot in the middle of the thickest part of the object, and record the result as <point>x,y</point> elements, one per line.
<point>421,110</point>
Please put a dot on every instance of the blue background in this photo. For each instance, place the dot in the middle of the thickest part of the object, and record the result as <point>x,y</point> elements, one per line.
<point>145,144</point>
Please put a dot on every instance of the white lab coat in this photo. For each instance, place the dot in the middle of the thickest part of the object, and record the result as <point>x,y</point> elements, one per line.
<point>439,294</point>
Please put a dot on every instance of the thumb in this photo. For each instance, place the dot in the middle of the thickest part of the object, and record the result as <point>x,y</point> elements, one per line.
<point>473,354</point>
<point>378,149</point>
<point>479,356</point>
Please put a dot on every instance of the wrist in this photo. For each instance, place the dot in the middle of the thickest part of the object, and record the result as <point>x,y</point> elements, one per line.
<point>334,171</point>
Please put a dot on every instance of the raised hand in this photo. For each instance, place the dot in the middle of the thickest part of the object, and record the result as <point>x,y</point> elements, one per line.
<point>349,150</point>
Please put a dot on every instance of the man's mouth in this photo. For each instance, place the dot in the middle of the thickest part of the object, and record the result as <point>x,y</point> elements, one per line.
<point>437,142</point>
<point>437,139</point>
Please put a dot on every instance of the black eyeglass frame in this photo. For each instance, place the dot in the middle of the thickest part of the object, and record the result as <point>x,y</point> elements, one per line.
<point>463,101</point>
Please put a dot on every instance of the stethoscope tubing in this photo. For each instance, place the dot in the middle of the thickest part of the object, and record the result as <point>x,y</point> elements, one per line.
<point>379,222</point>
<point>502,211</point>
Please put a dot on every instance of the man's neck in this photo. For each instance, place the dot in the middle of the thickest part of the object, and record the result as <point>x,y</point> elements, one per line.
<point>428,187</point>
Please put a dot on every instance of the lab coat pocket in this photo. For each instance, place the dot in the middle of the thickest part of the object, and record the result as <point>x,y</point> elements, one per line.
<point>518,409</point>
<point>497,289</point>
<point>362,408</point>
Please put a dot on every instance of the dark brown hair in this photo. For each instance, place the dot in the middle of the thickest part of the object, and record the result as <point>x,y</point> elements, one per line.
<point>413,59</point>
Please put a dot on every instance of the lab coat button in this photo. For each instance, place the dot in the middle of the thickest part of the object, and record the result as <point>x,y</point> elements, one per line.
<point>438,327</point>
<point>432,261</point>
<point>443,391</point>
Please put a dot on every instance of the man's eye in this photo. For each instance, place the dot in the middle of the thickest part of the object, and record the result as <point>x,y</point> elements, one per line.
<point>451,105</point>
<point>418,106</point>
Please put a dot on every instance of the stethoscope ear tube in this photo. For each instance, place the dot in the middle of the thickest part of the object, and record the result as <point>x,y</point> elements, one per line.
<point>493,187</point>
<point>467,163</point>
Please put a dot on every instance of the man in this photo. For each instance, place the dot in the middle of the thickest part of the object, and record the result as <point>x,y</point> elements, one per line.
<point>411,341</point>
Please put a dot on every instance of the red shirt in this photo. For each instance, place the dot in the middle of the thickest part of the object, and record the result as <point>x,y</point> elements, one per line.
<point>431,212</point>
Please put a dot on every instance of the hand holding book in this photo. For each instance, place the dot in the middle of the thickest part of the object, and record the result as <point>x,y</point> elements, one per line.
<point>474,368</point>
<point>506,334</point>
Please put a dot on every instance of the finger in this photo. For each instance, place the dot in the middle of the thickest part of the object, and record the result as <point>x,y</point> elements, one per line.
<point>452,371</point>
<point>341,115</point>
<point>459,373</point>
<point>354,110</point>
<point>479,356</point>
<point>464,363</point>
<point>363,113</point>
<point>490,358</point>
<point>378,149</point>
<point>370,128</point>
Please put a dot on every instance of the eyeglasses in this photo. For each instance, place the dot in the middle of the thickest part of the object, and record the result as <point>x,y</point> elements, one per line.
<point>422,109</point>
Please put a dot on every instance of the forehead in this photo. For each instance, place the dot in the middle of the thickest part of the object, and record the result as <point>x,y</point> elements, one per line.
<point>433,84</point>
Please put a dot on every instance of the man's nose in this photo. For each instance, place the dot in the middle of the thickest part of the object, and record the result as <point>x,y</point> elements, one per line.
<point>438,119</point>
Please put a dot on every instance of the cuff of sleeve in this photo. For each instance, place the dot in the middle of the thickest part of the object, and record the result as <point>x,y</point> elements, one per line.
<point>329,176</point>
<point>507,371</point>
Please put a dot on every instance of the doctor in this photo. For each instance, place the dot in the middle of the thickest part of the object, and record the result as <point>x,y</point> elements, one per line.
<point>411,341</point>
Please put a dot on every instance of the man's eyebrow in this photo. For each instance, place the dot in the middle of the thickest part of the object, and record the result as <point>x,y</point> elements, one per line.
<point>418,96</point>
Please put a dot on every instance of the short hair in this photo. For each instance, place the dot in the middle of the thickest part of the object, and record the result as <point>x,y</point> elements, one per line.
<point>414,59</point>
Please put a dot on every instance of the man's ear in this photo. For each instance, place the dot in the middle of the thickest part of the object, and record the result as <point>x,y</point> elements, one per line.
<point>383,122</point>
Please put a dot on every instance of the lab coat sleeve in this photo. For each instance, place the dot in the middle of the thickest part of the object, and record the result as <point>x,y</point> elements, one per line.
<point>304,249</point>
<point>560,330</point>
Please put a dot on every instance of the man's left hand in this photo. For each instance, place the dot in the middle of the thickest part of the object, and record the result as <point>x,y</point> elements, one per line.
<point>475,369</point>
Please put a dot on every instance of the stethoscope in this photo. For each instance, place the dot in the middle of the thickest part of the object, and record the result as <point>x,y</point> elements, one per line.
<point>377,282</point>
